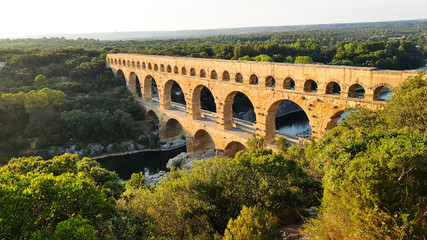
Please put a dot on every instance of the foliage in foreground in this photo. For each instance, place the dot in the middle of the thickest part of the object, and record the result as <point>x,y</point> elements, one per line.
<point>197,204</point>
<point>374,171</point>
<point>63,196</point>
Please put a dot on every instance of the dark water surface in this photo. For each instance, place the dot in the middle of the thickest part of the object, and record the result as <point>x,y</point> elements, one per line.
<point>125,165</point>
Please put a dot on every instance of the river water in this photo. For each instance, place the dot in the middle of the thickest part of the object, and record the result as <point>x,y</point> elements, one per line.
<point>147,161</point>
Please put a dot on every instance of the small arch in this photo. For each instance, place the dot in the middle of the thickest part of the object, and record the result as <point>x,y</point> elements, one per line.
<point>202,73</point>
<point>238,78</point>
<point>133,63</point>
<point>310,86</point>
<point>214,75</point>
<point>203,142</point>
<point>183,71</point>
<point>138,65</point>
<point>128,63</point>
<point>115,61</point>
<point>143,65</point>
<point>289,83</point>
<point>175,70</point>
<point>253,80</point>
<point>270,81</point>
<point>162,68</point>
<point>192,72</point>
<point>173,130</point>
<point>120,62</point>
<point>149,66</point>
<point>232,148</point>
<point>225,76</point>
<point>169,69</point>
<point>156,68</point>
<point>382,93</point>
<point>356,91</point>
<point>333,88</point>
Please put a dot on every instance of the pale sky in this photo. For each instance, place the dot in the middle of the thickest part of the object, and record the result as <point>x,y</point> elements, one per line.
<point>38,17</point>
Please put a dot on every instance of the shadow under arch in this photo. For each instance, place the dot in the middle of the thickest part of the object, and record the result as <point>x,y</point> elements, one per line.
<point>202,98</point>
<point>152,117</point>
<point>172,92</point>
<point>232,148</point>
<point>151,91</point>
<point>334,120</point>
<point>134,85</point>
<point>173,130</point>
<point>120,74</point>
<point>202,142</point>
<point>287,117</point>
<point>238,105</point>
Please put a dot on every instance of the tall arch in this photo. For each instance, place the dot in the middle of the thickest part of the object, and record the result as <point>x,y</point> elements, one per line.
<point>152,117</point>
<point>173,92</point>
<point>253,79</point>
<point>120,74</point>
<point>225,76</point>
<point>287,117</point>
<point>238,78</point>
<point>134,85</point>
<point>356,91</point>
<point>202,98</point>
<point>270,81</point>
<point>289,83</point>
<point>242,109</point>
<point>333,88</point>
<point>202,142</point>
<point>150,89</point>
<point>232,148</point>
<point>173,130</point>
<point>310,86</point>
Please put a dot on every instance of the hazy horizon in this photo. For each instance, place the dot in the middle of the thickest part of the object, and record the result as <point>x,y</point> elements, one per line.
<point>46,17</point>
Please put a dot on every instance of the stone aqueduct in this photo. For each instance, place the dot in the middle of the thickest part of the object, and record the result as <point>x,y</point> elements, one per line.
<point>266,85</point>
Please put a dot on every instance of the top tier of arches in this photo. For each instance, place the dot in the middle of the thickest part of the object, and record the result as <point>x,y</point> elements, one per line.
<point>333,81</point>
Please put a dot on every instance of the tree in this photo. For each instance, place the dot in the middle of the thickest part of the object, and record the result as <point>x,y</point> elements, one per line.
<point>253,223</point>
<point>304,60</point>
<point>40,80</point>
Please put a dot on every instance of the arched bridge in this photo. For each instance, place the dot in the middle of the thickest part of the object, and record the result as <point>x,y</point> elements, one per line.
<point>322,91</point>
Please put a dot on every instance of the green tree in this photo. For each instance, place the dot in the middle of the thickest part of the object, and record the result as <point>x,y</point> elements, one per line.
<point>40,80</point>
<point>304,59</point>
<point>253,223</point>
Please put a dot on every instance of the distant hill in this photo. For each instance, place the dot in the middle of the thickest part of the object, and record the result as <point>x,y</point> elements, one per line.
<point>226,31</point>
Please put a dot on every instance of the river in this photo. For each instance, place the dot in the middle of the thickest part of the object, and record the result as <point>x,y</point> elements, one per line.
<point>146,161</point>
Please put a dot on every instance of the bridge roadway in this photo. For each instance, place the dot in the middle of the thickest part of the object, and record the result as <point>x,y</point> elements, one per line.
<point>323,92</point>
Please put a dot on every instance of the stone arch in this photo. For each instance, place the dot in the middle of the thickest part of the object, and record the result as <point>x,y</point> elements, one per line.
<point>175,70</point>
<point>225,76</point>
<point>192,72</point>
<point>138,64</point>
<point>183,71</point>
<point>272,113</point>
<point>197,101</point>
<point>134,85</point>
<point>228,108</point>
<point>120,62</point>
<point>128,63</point>
<point>289,83</point>
<point>214,75</point>
<point>169,69</point>
<point>232,148</point>
<point>173,130</point>
<point>333,120</point>
<point>133,63</point>
<point>202,142</point>
<point>356,91</point>
<point>253,79</point>
<point>156,68</point>
<point>153,120</point>
<point>238,78</point>
<point>270,81</point>
<point>162,68</point>
<point>115,61</point>
<point>150,89</point>
<point>120,74</point>
<point>143,65</point>
<point>310,86</point>
<point>333,88</point>
<point>202,73</point>
<point>151,115</point>
<point>149,66</point>
<point>379,90</point>
<point>167,93</point>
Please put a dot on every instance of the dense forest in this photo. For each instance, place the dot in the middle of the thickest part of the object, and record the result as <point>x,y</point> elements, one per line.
<point>366,177</point>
